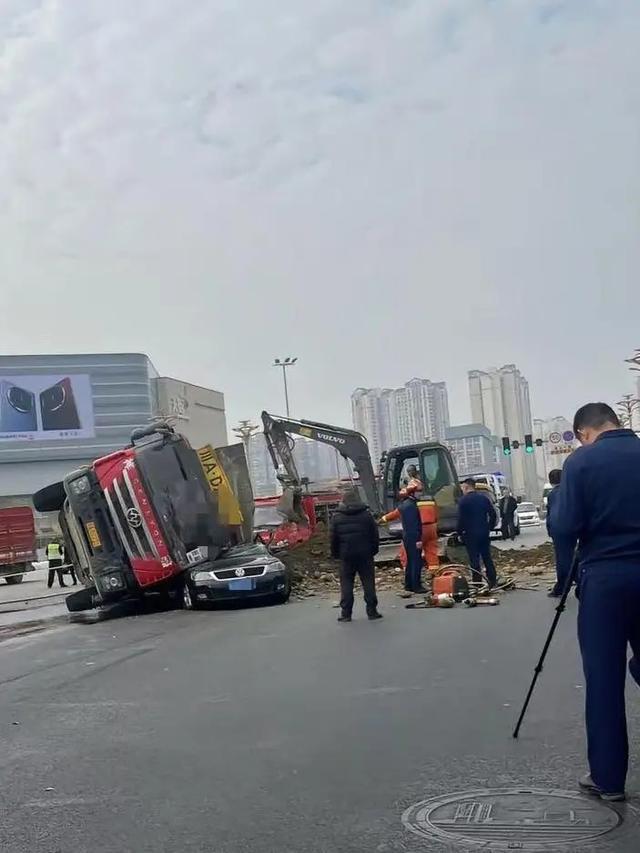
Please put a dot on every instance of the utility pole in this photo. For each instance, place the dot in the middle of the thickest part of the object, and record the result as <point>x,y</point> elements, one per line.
<point>284,364</point>
<point>244,431</point>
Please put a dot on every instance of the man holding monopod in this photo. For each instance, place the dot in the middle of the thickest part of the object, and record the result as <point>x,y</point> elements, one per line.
<point>598,507</point>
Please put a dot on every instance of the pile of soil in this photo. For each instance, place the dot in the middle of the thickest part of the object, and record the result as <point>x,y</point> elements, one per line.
<point>314,572</point>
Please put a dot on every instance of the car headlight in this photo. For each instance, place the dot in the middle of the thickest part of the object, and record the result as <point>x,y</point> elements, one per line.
<point>276,567</point>
<point>202,576</point>
<point>80,486</point>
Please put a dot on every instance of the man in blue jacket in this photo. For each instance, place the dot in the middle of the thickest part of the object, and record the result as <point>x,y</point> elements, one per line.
<point>598,506</point>
<point>563,547</point>
<point>476,519</point>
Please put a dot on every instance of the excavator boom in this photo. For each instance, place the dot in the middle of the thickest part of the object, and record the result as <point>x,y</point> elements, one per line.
<point>349,443</point>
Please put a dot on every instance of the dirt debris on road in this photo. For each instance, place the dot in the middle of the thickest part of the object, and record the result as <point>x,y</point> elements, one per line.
<point>314,572</point>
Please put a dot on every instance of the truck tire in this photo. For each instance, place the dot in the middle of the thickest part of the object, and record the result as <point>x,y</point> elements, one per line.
<point>13,579</point>
<point>81,600</point>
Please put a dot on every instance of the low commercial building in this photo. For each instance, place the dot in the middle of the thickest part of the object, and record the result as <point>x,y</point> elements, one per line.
<point>59,412</point>
<point>473,447</point>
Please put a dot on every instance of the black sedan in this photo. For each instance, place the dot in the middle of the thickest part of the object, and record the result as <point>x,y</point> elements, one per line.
<point>244,571</point>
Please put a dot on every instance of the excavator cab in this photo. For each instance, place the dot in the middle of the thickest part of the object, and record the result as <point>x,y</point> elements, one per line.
<point>438,475</point>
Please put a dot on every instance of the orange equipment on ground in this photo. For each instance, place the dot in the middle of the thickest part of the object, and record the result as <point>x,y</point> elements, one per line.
<point>429,517</point>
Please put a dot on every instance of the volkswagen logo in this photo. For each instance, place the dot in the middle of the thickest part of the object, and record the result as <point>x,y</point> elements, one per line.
<point>240,573</point>
<point>133,517</point>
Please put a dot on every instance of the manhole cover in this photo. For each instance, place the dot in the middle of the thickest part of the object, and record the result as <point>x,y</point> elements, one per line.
<point>512,819</point>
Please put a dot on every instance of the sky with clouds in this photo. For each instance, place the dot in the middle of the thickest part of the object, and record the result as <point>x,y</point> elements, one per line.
<point>382,188</point>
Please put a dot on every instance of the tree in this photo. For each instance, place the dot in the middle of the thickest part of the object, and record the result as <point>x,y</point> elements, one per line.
<point>626,408</point>
<point>634,360</point>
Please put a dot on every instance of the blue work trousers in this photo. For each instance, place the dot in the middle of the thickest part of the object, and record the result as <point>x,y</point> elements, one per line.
<point>564,559</point>
<point>413,571</point>
<point>479,548</point>
<point>608,623</point>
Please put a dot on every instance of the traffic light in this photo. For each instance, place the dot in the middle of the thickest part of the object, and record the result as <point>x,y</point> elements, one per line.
<point>506,446</point>
<point>539,442</point>
<point>515,445</point>
<point>528,443</point>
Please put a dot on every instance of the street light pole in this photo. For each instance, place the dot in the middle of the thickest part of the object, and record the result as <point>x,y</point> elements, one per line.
<point>284,364</point>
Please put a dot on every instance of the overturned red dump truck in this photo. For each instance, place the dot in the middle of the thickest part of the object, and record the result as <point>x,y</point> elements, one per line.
<point>134,521</point>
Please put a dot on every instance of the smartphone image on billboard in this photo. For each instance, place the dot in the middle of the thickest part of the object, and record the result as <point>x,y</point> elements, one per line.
<point>58,407</point>
<point>17,409</point>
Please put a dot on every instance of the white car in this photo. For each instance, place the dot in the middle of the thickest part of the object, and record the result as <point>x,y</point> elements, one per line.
<point>528,515</point>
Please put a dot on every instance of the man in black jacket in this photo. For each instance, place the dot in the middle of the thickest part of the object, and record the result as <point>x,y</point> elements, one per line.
<point>508,507</point>
<point>355,541</point>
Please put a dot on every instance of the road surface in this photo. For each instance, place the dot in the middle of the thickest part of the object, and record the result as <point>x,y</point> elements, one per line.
<point>276,729</point>
<point>530,537</point>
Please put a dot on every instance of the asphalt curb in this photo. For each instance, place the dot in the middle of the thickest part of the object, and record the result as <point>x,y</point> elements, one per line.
<point>9,606</point>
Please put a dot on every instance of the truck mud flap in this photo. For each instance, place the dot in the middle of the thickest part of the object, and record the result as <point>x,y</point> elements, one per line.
<point>81,600</point>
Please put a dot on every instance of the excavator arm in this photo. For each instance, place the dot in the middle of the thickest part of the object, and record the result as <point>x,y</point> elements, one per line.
<point>350,445</point>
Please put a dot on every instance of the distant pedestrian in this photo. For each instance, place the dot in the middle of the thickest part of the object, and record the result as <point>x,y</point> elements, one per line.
<point>69,567</point>
<point>355,541</point>
<point>54,553</point>
<point>597,507</point>
<point>563,547</point>
<point>476,519</point>
<point>508,507</point>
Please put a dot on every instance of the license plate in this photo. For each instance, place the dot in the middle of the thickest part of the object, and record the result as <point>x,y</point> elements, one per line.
<point>241,585</point>
<point>92,534</point>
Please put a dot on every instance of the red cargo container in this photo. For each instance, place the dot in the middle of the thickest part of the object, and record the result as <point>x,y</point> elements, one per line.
<point>17,542</point>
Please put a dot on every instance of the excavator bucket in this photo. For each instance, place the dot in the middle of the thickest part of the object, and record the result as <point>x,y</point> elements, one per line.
<point>290,506</point>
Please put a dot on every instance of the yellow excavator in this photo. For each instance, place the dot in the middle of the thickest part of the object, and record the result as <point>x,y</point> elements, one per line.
<point>432,459</point>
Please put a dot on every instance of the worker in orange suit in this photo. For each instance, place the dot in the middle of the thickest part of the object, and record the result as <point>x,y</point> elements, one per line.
<point>429,517</point>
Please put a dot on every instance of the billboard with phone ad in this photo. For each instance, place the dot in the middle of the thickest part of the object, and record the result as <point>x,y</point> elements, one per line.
<point>46,407</point>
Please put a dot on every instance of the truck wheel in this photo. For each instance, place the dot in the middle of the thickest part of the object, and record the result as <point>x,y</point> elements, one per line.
<point>14,579</point>
<point>81,600</point>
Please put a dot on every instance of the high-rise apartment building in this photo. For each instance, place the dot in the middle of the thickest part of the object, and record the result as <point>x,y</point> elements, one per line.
<point>500,401</point>
<point>389,417</point>
<point>371,409</point>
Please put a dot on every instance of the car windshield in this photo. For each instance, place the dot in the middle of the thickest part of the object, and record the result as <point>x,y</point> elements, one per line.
<point>248,551</point>
<point>267,516</point>
<point>525,507</point>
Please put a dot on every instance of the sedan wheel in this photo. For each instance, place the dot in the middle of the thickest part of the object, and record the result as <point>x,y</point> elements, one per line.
<point>187,599</point>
